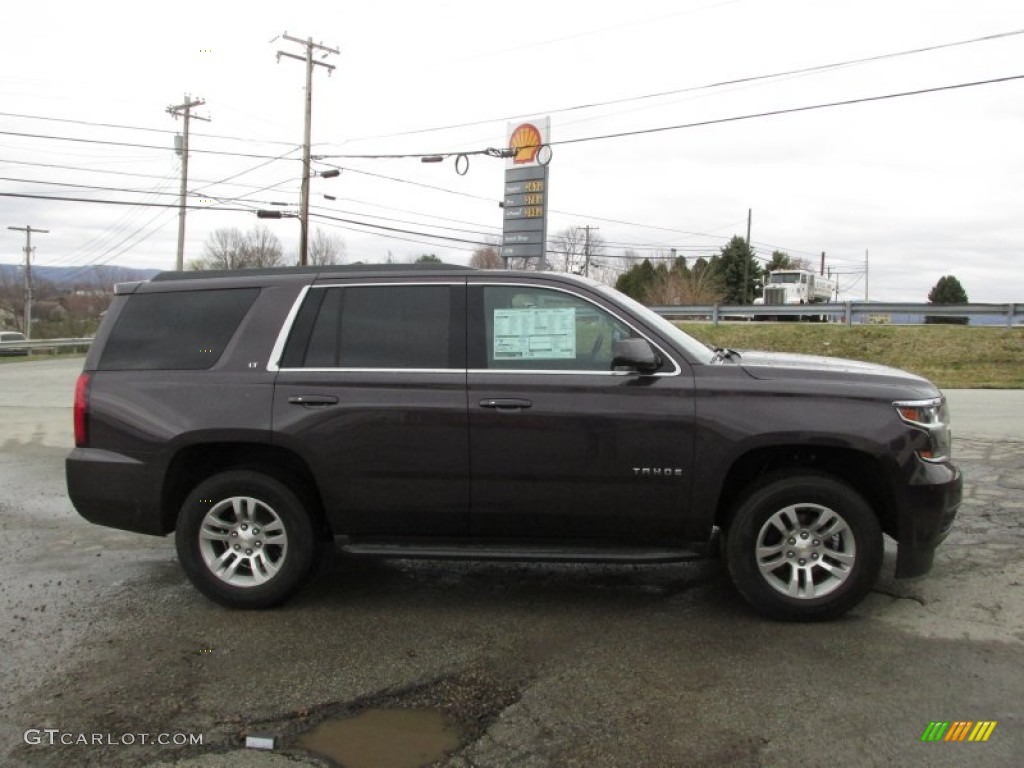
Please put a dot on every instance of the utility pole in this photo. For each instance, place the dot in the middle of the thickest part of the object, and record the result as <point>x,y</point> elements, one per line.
<point>586,249</point>
<point>746,261</point>
<point>28,274</point>
<point>865,274</point>
<point>304,194</point>
<point>186,110</point>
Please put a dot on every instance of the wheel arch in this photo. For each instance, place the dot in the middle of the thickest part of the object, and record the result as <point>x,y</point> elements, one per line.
<point>863,472</point>
<point>193,464</point>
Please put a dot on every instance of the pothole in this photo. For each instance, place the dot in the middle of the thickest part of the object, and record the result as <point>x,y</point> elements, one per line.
<point>415,726</point>
<point>384,738</point>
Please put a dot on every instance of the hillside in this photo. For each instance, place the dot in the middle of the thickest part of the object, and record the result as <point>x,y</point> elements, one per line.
<point>66,278</point>
<point>952,356</point>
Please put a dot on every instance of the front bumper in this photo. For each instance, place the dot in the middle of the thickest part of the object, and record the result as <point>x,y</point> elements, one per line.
<point>927,510</point>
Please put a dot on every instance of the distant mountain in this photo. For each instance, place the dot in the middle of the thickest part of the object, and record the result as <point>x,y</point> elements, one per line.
<point>66,278</point>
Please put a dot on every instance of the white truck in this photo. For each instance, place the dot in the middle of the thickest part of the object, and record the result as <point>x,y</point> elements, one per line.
<point>794,286</point>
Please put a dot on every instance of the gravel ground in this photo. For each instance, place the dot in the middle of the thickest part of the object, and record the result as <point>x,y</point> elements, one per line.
<point>536,665</point>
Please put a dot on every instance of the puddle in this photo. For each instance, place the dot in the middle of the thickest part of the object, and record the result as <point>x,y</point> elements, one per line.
<point>384,738</point>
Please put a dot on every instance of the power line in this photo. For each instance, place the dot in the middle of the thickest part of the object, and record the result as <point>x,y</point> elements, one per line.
<point>697,124</point>
<point>63,199</point>
<point>137,175</point>
<point>496,231</point>
<point>89,186</point>
<point>400,230</point>
<point>708,86</point>
<point>789,111</point>
<point>492,200</point>
<point>133,145</point>
<point>140,128</point>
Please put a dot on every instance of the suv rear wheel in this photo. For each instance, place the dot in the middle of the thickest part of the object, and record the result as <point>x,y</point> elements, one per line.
<point>245,540</point>
<point>804,546</point>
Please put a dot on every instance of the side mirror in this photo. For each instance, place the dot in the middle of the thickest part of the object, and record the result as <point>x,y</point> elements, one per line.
<point>636,354</point>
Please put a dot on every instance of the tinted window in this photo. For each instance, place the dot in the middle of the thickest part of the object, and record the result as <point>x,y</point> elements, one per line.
<point>541,329</point>
<point>182,330</point>
<point>387,326</point>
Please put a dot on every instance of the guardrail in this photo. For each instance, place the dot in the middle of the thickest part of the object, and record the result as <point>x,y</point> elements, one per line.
<point>839,313</point>
<point>54,345</point>
<point>844,312</point>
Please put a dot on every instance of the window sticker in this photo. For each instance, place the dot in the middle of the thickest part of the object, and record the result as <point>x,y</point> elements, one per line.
<point>535,334</point>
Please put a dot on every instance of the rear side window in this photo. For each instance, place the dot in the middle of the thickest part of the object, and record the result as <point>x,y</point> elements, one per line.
<point>180,330</point>
<point>386,326</point>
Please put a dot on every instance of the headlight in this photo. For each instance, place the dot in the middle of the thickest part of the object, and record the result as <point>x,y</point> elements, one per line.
<point>932,416</point>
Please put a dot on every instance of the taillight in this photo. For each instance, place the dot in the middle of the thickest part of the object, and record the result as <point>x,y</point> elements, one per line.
<point>82,410</point>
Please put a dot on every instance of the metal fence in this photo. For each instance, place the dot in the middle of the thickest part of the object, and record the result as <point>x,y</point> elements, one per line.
<point>45,345</point>
<point>849,312</point>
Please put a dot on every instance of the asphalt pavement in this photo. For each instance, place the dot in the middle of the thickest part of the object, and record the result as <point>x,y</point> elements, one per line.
<point>103,640</point>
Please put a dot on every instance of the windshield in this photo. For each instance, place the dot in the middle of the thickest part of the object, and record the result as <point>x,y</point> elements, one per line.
<point>777,278</point>
<point>697,350</point>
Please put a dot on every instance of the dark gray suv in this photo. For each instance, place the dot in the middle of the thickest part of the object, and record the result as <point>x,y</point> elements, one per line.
<point>447,412</point>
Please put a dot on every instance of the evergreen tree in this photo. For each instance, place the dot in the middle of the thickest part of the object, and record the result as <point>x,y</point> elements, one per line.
<point>947,291</point>
<point>637,280</point>
<point>733,264</point>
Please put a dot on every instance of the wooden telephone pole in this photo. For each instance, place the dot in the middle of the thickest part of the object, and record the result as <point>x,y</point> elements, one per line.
<point>309,45</point>
<point>186,110</point>
<point>28,274</point>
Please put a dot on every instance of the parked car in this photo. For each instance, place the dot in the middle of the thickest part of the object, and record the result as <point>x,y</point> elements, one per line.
<point>446,412</point>
<point>7,341</point>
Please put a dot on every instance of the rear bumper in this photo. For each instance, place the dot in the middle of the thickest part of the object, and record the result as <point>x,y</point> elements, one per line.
<point>114,490</point>
<point>927,512</point>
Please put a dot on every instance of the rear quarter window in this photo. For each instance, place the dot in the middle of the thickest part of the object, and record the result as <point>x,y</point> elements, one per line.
<point>179,330</point>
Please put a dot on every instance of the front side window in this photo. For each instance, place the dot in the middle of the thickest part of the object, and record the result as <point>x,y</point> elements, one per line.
<point>381,326</point>
<point>529,328</point>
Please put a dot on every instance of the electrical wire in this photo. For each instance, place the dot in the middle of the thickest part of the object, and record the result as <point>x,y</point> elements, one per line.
<point>400,231</point>
<point>138,146</point>
<point>708,86</point>
<point>63,199</point>
<point>696,124</point>
<point>142,128</point>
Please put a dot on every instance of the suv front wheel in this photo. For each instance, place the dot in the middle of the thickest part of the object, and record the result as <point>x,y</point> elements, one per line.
<point>804,546</point>
<point>245,540</point>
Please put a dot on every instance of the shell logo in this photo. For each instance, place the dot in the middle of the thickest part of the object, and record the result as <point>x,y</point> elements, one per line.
<point>526,142</point>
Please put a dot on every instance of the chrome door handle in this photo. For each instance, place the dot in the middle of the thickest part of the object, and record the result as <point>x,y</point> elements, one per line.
<point>313,400</point>
<point>505,403</point>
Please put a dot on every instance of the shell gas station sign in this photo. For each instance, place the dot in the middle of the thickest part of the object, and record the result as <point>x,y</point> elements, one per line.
<point>526,190</point>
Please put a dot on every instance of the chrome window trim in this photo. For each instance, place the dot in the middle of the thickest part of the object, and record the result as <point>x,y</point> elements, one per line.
<point>286,328</point>
<point>278,349</point>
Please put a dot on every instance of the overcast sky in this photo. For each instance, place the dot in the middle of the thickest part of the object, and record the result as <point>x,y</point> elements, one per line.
<point>925,185</point>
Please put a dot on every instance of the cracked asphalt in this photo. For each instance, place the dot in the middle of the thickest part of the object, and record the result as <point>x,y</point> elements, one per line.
<point>538,665</point>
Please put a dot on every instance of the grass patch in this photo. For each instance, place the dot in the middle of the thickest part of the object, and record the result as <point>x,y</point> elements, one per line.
<point>953,357</point>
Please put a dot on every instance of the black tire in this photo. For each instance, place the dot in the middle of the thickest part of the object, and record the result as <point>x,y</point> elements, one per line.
<point>819,544</point>
<point>259,543</point>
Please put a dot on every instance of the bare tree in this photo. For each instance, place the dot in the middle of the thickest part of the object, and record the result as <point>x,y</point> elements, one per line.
<point>326,250</point>
<point>487,257</point>
<point>228,248</point>
<point>12,299</point>
<point>261,248</point>
<point>529,263</point>
<point>681,285</point>
<point>221,250</point>
<point>573,248</point>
